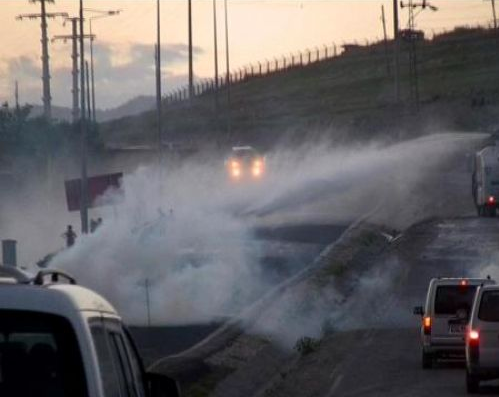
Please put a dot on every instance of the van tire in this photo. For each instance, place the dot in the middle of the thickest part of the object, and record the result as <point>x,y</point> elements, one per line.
<point>427,361</point>
<point>472,383</point>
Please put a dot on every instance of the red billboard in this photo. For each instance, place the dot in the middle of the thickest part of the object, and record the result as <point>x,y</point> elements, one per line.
<point>97,186</point>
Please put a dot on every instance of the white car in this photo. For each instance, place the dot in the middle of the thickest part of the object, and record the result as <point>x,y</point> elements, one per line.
<point>482,339</point>
<point>60,339</point>
<point>445,317</point>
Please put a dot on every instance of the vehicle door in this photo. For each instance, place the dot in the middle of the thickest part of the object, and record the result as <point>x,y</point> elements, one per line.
<point>488,328</point>
<point>118,368</point>
<point>452,307</point>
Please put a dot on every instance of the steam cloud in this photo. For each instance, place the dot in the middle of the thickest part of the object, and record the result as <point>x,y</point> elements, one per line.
<point>199,259</point>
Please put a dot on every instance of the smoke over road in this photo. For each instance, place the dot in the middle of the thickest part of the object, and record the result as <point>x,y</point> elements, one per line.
<point>199,258</point>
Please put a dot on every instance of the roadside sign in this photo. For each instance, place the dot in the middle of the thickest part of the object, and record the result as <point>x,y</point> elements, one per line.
<point>97,186</point>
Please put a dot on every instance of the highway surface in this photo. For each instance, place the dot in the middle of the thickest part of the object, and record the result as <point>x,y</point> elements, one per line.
<point>385,360</point>
<point>382,356</point>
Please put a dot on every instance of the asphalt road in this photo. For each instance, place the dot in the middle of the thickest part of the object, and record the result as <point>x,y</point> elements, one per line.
<point>386,360</point>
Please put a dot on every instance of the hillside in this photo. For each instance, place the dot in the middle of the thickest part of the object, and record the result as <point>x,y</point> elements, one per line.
<point>134,106</point>
<point>351,94</point>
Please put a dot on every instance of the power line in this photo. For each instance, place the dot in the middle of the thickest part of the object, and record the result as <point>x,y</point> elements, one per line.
<point>44,15</point>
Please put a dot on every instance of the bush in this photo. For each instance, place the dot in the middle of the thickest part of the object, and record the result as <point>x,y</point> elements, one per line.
<point>306,345</point>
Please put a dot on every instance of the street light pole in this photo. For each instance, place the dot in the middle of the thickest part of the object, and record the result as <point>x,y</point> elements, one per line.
<point>158,77</point>
<point>92,72</point>
<point>191,73</point>
<point>215,47</point>
<point>228,69</point>
<point>104,14</point>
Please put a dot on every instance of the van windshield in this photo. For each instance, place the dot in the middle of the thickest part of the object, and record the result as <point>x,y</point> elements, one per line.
<point>451,298</point>
<point>489,307</point>
<point>39,356</point>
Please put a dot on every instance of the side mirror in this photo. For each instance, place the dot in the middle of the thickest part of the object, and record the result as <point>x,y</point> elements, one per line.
<point>161,386</point>
<point>418,311</point>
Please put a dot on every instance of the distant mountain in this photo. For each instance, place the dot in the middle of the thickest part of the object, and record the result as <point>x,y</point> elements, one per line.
<point>132,107</point>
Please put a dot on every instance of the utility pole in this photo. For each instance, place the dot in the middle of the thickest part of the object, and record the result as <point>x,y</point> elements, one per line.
<point>215,46</point>
<point>74,37</point>
<point>413,37</point>
<point>396,52</point>
<point>16,94</point>
<point>191,74</point>
<point>94,118</point>
<point>83,131</point>
<point>493,2</point>
<point>227,64</point>
<point>385,39</point>
<point>87,75</point>
<point>44,15</point>
<point>74,57</point>
<point>158,79</point>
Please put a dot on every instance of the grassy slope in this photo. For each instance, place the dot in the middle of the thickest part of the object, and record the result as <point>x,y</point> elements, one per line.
<point>352,92</point>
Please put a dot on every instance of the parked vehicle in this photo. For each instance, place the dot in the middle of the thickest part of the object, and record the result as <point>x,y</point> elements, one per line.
<point>482,339</point>
<point>445,317</point>
<point>60,339</point>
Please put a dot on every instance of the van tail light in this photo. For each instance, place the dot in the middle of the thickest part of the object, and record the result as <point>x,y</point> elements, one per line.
<point>474,336</point>
<point>473,344</point>
<point>427,325</point>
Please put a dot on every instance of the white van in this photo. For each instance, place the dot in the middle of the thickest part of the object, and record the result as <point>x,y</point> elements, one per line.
<point>482,339</point>
<point>60,339</point>
<point>445,317</point>
<point>485,181</point>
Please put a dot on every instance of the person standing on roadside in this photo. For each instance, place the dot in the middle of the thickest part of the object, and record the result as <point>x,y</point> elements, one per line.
<point>70,236</point>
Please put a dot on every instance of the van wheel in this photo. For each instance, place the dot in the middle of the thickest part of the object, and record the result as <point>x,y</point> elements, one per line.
<point>472,383</point>
<point>427,360</point>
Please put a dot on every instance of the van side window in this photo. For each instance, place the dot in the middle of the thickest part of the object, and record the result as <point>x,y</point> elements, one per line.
<point>136,365</point>
<point>111,375</point>
<point>118,345</point>
<point>489,307</point>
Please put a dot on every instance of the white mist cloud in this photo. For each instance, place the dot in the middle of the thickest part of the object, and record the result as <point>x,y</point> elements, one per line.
<point>201,260</point>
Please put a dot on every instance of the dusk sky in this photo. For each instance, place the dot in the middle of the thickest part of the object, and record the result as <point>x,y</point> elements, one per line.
<point>259,29</point>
